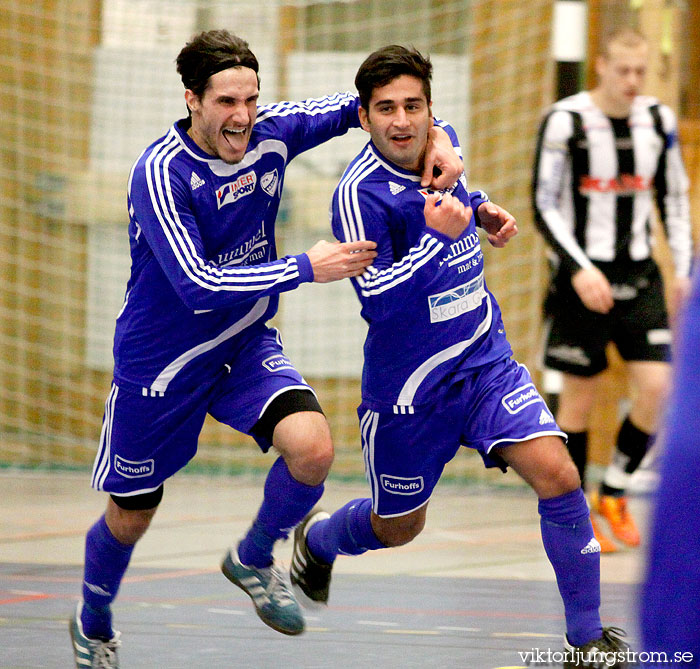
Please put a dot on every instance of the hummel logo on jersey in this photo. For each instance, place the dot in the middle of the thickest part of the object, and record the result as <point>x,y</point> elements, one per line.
<point>196,181</point>
<point>396,188</point>
<point>545,417</point>
<point>591,547</point>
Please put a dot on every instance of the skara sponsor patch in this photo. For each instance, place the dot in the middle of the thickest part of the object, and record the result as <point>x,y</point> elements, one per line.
<point>457,301</point>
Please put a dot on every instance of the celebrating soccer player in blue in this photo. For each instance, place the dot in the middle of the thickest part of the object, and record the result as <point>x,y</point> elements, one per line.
<point>191,338</point>
<point>438,371</point>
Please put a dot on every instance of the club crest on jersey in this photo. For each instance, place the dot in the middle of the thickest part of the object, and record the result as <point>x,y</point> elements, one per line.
<point>429,191</point>
<point>268,182</point>
<point>234,190</point>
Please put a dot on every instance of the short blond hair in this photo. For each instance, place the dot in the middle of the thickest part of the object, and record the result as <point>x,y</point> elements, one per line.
<point>626,36</point>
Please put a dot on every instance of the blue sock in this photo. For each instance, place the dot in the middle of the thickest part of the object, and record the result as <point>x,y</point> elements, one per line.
<point>285,503</point>
<point>106,560</point>
<point>566,535</point>
<point>348,532</point>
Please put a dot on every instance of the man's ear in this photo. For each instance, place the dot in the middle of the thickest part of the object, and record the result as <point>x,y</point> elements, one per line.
<point>191,99</point>
<point>600,63</point>
<point>364,118</point>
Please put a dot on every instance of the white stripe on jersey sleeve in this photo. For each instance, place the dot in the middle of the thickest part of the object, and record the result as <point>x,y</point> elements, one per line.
<point>377,282</point>
<point>198,270</point>
<point>553,167</point>
<point>348,204</point>
<point>373,282</point>
<point>678,226</point>
<point>310,107</point>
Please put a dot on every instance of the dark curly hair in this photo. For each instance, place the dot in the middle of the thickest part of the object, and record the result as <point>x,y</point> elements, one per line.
<point>210,52</point>
<point>384,65</point>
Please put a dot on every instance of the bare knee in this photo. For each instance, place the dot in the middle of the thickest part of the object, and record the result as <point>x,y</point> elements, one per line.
<point>399,530</point>
<point>545,464</point>
<point>312,464</point>
<point>304,441</point>
<point>562,477</point>
<point>128,525</point>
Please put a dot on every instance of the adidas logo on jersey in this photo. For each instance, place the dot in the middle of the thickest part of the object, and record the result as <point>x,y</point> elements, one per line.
<point>396,188</point>
<point>545,417</point>
<point>196,181</point>
<point>591,547</point>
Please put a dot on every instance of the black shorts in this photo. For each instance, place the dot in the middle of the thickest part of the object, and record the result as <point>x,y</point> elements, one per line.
<point>576,337</point>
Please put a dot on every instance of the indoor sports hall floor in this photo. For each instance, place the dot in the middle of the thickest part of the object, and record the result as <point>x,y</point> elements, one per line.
<point>473,591</point>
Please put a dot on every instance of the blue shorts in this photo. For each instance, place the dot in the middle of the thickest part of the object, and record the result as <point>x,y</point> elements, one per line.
<point>488,407</point>
<point>145,439</point>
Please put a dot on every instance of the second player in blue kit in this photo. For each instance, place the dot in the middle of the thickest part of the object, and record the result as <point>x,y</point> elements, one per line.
<point>438,372</point>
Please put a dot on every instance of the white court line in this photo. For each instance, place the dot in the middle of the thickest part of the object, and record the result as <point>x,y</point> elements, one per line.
<point>227,612</point>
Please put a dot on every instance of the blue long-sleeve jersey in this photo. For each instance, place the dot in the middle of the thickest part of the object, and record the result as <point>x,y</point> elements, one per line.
<point>204,269</point>
<point>429,311</point>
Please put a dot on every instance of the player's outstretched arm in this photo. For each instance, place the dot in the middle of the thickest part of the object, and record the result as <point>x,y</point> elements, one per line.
<point>441,166</point>
<point>450,218</point>
<point>332,261</point>
<point>498,224</point>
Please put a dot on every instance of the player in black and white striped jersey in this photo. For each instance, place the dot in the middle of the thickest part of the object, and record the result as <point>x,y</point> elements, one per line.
<point>603,158</point>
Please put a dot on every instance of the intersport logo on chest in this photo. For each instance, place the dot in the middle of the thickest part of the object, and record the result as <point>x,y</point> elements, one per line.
<point>234,190</point>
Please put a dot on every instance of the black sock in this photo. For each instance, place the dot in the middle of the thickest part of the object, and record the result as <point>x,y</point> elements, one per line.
<point>632,446</point>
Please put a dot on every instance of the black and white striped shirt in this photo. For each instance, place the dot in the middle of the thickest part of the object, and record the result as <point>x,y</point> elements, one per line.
<point>596,178</point>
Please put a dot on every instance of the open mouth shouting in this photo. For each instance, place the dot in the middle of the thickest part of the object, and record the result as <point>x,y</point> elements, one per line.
<point>235,143</point>
<point>234,136</point>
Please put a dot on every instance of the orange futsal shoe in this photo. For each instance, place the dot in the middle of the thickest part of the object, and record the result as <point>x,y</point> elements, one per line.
<point>614,510</point>
<point>607,545</point>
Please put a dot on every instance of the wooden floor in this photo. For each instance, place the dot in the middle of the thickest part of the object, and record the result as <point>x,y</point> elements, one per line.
<point>474,590</point>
